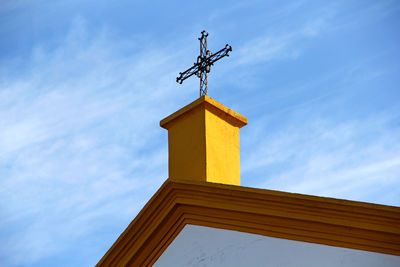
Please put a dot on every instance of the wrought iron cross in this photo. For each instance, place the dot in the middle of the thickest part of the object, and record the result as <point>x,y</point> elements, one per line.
<point>204,62</point>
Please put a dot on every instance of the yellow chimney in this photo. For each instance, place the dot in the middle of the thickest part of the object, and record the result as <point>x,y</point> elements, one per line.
<point>203,142</point>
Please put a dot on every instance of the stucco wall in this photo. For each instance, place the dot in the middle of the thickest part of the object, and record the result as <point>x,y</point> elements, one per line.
<point>204,246</point>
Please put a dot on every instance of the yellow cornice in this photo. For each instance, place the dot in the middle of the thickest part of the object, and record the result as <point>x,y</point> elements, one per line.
<point>321,220</point>
<point>236,119</point>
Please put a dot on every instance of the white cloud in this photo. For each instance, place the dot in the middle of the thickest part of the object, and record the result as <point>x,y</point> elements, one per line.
<point>275,46</point>
<point>355,160</point>
<point>80,138</point>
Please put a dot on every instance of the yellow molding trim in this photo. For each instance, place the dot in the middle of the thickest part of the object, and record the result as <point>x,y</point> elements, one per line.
<point>320,220</point>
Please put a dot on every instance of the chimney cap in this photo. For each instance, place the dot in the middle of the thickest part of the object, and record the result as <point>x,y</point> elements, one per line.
<point>235,118</point>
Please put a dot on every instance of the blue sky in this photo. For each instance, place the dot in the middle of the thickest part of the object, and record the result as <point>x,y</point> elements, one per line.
<point>84,84</point>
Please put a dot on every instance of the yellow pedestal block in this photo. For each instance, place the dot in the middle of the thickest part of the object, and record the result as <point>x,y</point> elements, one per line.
<point>203,142</point>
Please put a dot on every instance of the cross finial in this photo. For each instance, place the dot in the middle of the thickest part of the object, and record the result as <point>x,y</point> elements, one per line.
<point>204,62</point>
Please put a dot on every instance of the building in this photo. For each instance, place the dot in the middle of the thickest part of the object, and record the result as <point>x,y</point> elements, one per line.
<point>201,216</point>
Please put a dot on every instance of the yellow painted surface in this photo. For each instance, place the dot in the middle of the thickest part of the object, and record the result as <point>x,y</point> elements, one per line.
<point>187,146</point>
<point>327,221</point>
<point>222,150</point>
<point>203,142</point>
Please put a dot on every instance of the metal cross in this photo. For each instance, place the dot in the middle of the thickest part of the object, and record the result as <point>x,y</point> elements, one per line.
<point>204,62</point>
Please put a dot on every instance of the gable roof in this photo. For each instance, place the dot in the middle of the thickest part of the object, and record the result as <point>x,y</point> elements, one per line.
<point>320,220</point>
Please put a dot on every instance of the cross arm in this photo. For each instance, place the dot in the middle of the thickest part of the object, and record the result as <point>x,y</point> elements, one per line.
<point>187,73</point>
<point>220,54</point>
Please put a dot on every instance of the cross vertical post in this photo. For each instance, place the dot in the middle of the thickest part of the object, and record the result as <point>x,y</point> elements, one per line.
<point>203,65</point>
<point>203,74</point>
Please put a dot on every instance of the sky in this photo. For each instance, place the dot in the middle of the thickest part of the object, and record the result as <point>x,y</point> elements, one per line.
<point>84,84</point>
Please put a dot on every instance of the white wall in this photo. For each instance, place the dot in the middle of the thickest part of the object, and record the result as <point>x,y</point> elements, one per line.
<point>204,246</point>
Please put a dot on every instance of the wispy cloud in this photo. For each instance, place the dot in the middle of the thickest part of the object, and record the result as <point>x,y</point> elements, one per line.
<point>284,42</point>
<point>265,49</point>
<point>351,160</point>
<point>80,138</point>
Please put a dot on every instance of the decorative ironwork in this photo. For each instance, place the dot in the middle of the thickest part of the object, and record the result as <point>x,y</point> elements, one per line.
<point>204,62</point>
